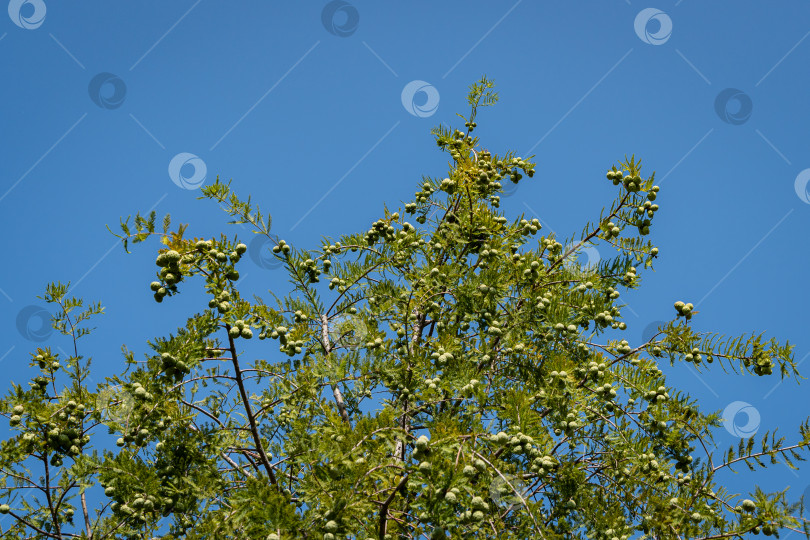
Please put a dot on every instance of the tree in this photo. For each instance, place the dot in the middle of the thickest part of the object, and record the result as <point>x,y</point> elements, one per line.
<point>449,379</point>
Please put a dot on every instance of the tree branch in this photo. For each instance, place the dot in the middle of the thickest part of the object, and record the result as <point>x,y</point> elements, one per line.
<point>327,347</point>
<point>86,517</point>
<point>387,503</point>
<point>251,419</point>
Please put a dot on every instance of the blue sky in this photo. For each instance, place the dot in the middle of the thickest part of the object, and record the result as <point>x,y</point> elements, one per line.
<point>305,113</point>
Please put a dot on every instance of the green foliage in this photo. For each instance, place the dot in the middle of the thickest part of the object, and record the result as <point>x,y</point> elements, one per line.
<point>463,376</point>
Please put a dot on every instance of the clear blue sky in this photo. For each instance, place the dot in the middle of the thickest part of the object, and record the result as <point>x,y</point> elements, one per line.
<point>97,99</point>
